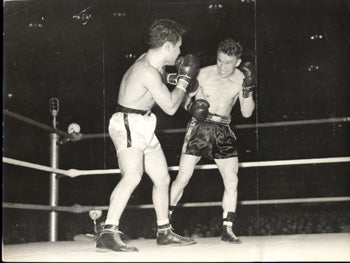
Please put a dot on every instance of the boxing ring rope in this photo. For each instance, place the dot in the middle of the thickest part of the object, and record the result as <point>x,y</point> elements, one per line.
<point>180,130</point>
<point>76,208</point>
<point>34,123</point>
<point>242,126</point>
<point>75,172</point>
<point>274,124</point>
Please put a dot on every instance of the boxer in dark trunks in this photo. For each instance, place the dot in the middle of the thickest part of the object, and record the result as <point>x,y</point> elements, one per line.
<point>208,132</point>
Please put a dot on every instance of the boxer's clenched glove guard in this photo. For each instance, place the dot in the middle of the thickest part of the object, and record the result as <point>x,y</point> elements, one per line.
<point>188,68</point>
<point>248,70</point>
<point>169,78</point>
<point>199,109</point>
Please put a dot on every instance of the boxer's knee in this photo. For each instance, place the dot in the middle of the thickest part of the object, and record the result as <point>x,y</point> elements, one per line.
<point>131,180</point>
<point>162,182</point>
<point>180,182</point>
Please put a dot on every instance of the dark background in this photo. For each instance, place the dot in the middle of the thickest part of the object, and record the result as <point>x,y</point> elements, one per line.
<point>298,78</point>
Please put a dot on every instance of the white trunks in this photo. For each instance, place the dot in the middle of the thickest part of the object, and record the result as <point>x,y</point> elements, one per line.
<point>133,130</point>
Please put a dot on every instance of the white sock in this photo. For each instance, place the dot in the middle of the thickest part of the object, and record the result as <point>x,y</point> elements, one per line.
<point>227,223</point>
<point>112,222</point>
<point>163,222</point>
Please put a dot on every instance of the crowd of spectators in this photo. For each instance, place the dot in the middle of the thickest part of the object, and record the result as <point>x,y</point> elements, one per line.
<point>254,221</point>
<point>195,222</point>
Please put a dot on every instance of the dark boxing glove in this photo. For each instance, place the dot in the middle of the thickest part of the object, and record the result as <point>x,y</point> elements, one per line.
<point>188,68</point>
<point>169,78</point>
<point>178,62</point>
<point>193,87</point>
<point>248,70</point>
<point>199,109</point>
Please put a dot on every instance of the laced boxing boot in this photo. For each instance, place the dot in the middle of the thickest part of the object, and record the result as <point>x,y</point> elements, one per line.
<point>110,238</point>
<point>166,236</point>
<point>227,234</point>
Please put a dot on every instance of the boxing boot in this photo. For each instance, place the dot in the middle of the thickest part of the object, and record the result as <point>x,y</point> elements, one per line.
<point>228,236</point>
<point>109,239</point>
<point>166,236</point>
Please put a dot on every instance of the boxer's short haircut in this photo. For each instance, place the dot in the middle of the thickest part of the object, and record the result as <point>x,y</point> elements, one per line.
<point>231,47</point>
<point>164,30</point>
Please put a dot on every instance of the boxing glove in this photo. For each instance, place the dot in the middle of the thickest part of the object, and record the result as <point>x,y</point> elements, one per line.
<point>188,68</point>
<point>178,62</point>
<point>248,70</point>
<point>193,87</point>
<point>169,78</point>
<point>199,109</point>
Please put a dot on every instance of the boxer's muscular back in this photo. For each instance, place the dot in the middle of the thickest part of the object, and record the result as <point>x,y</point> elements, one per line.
<point>222,94</point>
<point>133,92</point>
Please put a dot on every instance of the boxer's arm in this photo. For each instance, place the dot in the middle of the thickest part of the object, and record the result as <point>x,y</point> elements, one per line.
<point>168,101</point>
<point>195,84</point>
<point>196,92</point>
<point>186,100</point>
<point>246,94</point>
<point>247,106</point>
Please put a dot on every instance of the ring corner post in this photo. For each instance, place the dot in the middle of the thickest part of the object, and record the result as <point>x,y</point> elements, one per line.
<point>54,186</point>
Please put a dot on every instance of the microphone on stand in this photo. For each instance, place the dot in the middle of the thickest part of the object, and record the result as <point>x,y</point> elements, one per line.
<point>54,107</point>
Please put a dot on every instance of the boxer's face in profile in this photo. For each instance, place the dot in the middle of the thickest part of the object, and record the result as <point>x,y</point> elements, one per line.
<point>226,64</point>
<point>174,52</point>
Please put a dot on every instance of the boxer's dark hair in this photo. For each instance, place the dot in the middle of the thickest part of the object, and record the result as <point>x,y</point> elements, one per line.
<point>164,30</point>
<point>231,47</point>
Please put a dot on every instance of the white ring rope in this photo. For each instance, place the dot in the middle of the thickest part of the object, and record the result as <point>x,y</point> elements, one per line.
<point>179,130</point>
<point>241,126</point>
<point>76,172</point>
<point>76,208</point>
<point>273,124</point>
<point>70,172</point>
